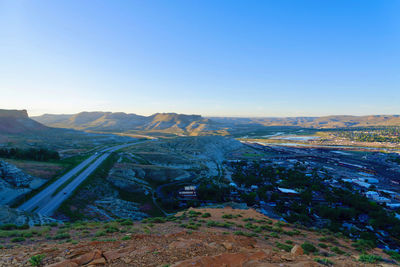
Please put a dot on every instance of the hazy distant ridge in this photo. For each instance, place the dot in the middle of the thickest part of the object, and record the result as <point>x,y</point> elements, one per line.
<point>119,121</point>
<point>340,121</point>
<point>198,125</point>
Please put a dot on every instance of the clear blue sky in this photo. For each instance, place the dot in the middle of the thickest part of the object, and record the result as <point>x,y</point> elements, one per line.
<point>224,58</point>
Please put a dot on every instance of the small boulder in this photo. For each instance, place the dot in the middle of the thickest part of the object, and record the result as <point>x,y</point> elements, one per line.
<point>297,250</point>
<point>99,261</point>
<point>87,257</point>
<point>227,245</point>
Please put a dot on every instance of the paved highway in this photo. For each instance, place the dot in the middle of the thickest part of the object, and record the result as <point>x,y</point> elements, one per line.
<point>46,204</point>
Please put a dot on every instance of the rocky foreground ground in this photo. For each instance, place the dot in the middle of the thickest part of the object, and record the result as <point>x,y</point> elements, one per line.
<point>197,237</point>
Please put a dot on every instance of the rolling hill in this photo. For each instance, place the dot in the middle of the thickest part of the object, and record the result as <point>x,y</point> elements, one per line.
<point>180,124</point>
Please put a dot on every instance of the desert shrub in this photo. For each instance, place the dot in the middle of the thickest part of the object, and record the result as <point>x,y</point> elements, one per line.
<point>126,238</point>
<point>327,239</point>
<point>218,224</point>
<point>8,227</point>
<point>369,258</point>
<point>61,236</point>
<point>37,260</point>
<point>191,225</point>
<point>154,220</point>
<point>231,216</point>
<point>393,254</point>
<point>275,235</point>
<point>324,261</point>
<point>284,247</point>
<point>363,245</point>
<point>245,234</point>
<point>17,239</point>
<point>206,215</point>
<point>322,245</point>
<point>23,227</point>
<point>27,234</point>
<point>100,233</point>
<point>308,247</point>
<point>126,222</point>
<point>337,251</point>
<point>292,233</point>
<point>193,213</point>
<point>112,229</point>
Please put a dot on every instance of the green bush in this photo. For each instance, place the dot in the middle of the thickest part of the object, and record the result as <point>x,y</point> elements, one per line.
<point>393,254</point>
<point>37,260</point>
<point>193,213</point>
<point>61,236</point>
<point>370,258</point>
<point>231,216</point>
<point>308,248</point>
<point>363,245</point>
<point>327,239</point>
<point>154,220</point>
<point>126,238</point>
<point>27,234</point>
<point>112,229</point>
<point>23,227</point>
<point>218,224</point>
<point>284,247</point>
<point>337,251</point>
<point>292,233</point>
<point>245,234</point>
<point>275,235</point>
<point>191,226</point>
<point>206,215</point>
<point>100,233</point>
<point>8,227</point>
<point>17,239</point>
<point>322,245</point>
<point>126,222</point>
<point>324,261</point>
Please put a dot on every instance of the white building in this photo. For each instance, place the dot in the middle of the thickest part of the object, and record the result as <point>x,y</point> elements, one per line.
<point>287,191</point>
<point>372,194</point>
<point>362,184</point>
<point>382,200</point>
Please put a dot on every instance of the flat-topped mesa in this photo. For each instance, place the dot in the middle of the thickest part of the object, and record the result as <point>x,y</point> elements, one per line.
<point>13,113</point>
<point>18,122</point>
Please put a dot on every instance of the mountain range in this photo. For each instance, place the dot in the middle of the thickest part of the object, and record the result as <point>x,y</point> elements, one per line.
<point>18,122</point>
<point>123,122</point>
<point>198,125</point>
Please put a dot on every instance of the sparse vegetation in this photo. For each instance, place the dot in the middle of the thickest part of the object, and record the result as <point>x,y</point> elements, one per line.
<point>326,262</point>
<point>393,254</point>
<point>285,247</point>
<point>308,248</point>
<point>370,258</point>
<point>37,260</point>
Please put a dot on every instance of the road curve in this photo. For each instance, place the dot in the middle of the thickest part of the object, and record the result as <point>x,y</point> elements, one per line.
<point>46,203</point>
<point>48,191</point>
